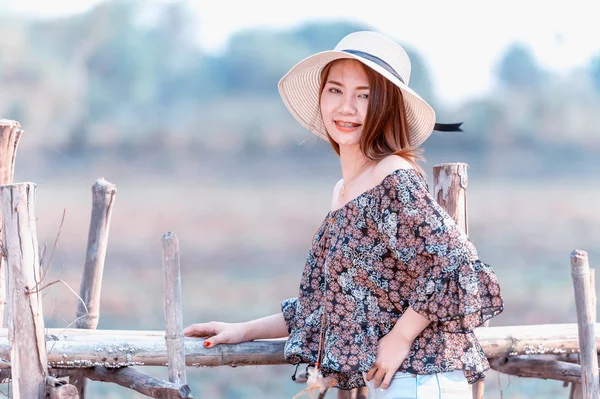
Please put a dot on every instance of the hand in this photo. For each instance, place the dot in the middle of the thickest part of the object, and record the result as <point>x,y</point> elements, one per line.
<point>391,352</point>
<point>217,333</point>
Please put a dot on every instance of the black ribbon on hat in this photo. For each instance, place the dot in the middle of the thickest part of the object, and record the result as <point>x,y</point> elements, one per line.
<point>440,127</point>
<point>376,60</point>
<point>448,127</point>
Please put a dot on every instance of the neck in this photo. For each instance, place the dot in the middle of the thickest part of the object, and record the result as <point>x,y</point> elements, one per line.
<point>352,161</point>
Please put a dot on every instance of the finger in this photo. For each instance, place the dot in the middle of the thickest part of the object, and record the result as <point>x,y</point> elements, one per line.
<point>379,376</point>
<point>199,330</point>
<point>371,373</point>
<point>215,340</point>
<point>386,381</point>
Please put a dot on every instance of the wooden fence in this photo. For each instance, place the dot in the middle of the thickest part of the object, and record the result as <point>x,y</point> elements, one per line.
<point>56,363</point>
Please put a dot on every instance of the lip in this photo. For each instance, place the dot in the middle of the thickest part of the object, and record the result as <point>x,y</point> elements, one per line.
<point>346,129</point>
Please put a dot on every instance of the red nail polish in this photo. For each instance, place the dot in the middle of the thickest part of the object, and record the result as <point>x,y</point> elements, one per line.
<point>206,344</point>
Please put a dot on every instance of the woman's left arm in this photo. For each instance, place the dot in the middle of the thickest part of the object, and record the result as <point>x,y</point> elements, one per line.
<point>440,278</point>
<point>394,347</point>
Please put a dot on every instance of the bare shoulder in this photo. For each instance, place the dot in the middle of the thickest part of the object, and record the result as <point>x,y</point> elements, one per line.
<point>335,194</point>
<point>389,164</point>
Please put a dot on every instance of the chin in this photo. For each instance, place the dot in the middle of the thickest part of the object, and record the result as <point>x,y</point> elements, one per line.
<point>345,140</point>
<point>348,143</point>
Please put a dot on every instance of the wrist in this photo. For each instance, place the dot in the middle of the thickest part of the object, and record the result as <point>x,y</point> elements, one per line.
<point>401,336</point>
<point>246,333</point>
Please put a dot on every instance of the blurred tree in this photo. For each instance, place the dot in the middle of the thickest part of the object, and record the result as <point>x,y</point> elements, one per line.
<point>518,68</point>
<point>255,60</point>
<point>594,69</point>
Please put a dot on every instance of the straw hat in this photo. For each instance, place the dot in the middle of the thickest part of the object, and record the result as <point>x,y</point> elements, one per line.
<point>299,88</point>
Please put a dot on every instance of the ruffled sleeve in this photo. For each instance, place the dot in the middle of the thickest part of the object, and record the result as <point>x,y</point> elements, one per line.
<point>289,309</point>
<point>440,275</point>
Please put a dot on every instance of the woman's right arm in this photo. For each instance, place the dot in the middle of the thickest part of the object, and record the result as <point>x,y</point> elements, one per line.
<point>269,327</point>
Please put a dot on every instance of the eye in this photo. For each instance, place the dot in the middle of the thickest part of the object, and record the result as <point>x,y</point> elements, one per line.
<point>334,90</point>
<point>366,95</point>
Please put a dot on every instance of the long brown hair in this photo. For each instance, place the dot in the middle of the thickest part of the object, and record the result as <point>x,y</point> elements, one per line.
<point>385,130</point>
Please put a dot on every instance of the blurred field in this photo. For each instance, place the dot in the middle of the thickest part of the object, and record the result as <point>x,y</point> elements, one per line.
<point>244,228</point>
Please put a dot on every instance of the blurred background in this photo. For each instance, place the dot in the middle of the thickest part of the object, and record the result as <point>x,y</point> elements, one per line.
<point>176,103</point>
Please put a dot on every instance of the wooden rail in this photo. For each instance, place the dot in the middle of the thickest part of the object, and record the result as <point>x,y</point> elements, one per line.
<point>117,348</point>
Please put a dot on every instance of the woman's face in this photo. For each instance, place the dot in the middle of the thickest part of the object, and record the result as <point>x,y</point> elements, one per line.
<point>344,101</point>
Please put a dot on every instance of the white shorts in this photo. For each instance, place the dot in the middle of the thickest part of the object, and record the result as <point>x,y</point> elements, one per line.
<point>450,385</point>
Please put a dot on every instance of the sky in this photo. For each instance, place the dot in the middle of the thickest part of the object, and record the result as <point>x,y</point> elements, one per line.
<point>461,41</point>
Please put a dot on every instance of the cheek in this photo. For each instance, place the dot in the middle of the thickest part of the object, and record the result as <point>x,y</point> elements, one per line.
<point>362,109</point>
<point>324,104</point>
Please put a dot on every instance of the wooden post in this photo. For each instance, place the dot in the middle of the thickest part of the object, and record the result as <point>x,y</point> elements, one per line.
<point>576,391</point>
<point>103,195</point>
<point>580,273</point>
<point>10,134</point>
<point>25,318</point>
<point>450,182</point>
<point>173,309</point>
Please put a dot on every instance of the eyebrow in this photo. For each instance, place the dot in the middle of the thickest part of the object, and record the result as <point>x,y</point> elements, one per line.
<point>333,82</point>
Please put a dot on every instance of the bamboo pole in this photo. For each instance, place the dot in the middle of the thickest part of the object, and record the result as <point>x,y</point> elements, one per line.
<point>10,134</point>
<point>580,273</point>
<point>73,348</point>
<point>26,338</point>
<point>103,195</point>
<point>173,312</point>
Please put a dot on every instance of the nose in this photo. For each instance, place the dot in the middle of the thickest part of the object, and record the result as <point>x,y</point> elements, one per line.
<point>348,105</point>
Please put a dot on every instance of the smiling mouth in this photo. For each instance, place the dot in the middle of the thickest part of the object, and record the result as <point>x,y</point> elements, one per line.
<point>347,124</point>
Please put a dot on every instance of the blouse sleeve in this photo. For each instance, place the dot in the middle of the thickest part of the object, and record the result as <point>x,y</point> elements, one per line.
<point>288,308</point>
<point>440,276</point>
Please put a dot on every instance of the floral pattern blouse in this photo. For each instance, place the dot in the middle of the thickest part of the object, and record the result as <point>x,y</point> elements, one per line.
<point>391,247</point>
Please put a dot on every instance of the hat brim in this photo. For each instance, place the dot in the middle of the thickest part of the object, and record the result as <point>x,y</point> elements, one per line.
<point>299,90</point>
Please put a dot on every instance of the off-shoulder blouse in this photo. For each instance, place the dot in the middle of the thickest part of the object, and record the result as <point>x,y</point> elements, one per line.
<point>391,247</point>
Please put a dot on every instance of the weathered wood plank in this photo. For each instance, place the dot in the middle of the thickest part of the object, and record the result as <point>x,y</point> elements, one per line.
<point>26,338</point>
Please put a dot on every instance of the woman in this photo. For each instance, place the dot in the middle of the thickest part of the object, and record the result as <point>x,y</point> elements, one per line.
<point>392,288</point>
